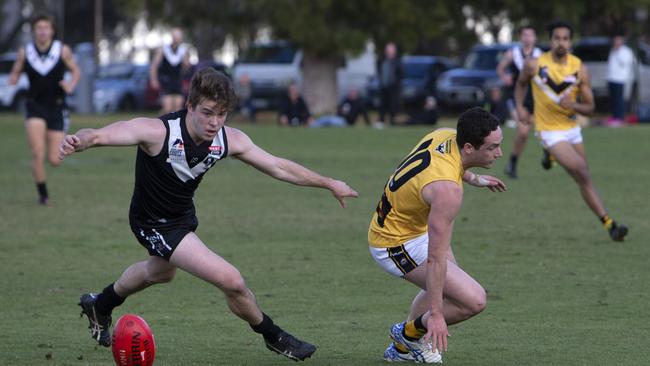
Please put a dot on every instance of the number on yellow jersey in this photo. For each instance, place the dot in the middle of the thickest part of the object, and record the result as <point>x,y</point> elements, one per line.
<point>419,156</point>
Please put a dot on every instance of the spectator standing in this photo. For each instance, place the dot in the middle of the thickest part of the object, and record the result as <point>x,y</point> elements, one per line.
<point>245,96</point>
<point>389,73</point>
<point>620,74</point>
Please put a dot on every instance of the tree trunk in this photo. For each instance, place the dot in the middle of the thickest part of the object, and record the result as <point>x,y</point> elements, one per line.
<point>319,84</point>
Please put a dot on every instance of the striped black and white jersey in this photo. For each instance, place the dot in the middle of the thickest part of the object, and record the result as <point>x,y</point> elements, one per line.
<point>45,70</point>
<point>165,183</point>
<point>172,62</point>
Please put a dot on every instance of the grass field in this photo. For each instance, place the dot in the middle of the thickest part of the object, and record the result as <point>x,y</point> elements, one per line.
<point>559,291</point>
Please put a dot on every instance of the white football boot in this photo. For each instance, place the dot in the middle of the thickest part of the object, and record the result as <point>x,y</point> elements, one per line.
<point>421,352</point>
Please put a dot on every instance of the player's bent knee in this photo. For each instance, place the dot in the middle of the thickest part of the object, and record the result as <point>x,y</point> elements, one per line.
<point>477,303</point>
<point>233,285</point>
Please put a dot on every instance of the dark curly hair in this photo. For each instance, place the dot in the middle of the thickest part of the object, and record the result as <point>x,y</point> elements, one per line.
<point>211,84</point>
<point>474,125</point>
<point>559,24</point>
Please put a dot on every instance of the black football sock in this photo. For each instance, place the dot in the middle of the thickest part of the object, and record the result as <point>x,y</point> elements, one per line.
<point>108,300</point>
<point>267,329</point>
<point>42,190</point>
<point>513,159</point>
<point>419,325</point>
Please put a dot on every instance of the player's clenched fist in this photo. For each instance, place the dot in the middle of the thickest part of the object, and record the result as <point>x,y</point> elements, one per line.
<point>70,144</point>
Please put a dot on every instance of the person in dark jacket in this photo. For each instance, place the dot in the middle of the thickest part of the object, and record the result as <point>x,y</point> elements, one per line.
<point>293,109</point>
<point>389,74</point>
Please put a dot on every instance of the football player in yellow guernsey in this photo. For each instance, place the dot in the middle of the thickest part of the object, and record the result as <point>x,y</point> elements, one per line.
<point>561,90</point>
<point>410,232</point>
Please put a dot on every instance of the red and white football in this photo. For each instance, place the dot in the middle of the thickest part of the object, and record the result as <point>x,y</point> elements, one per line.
<point>133,343</point>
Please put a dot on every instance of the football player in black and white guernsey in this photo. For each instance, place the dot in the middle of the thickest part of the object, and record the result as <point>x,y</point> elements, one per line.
<point>174,152</point>
<point>166,72</point>
<point>509,69</point>
<point>45,60</point>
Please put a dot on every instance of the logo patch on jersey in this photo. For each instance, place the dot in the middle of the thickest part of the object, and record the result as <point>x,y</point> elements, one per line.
<point>444,148</point>
<point>177,151</point>
<point>216,149</point>
<point>177,148</point>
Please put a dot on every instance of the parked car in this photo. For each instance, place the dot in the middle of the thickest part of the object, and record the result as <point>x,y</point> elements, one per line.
<point>187,77</point>
<point>641,96</point>
<point>468,86</point>
<point>121,87</point>
<point>419,79</point>
<point>11,96</point>
<point>594,52</point>
<point>270,68</point>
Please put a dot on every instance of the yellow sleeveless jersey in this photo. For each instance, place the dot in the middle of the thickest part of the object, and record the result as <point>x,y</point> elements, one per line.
<point>551,82</point>
<point>402,214</point>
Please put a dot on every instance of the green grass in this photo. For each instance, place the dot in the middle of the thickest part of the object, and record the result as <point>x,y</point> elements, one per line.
<point>559,291</point>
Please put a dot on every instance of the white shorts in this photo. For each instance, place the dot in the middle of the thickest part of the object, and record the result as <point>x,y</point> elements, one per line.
<point>550,138</point>
<point>402,259</point>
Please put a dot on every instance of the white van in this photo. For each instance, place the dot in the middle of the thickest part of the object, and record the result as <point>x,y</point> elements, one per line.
<point>11,96</point>
<point>272,66</point>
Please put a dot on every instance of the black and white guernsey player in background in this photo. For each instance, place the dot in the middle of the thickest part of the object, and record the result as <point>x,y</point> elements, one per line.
<point>173,154</point>
<point>45,61</point>
<point>509,69</point>
<point>166,72</point>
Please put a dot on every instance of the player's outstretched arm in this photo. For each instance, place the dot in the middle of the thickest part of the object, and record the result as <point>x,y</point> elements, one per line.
<point>243,148</point>
<point>477,180</point>
<point>149,133</point>
<point>445,198</point>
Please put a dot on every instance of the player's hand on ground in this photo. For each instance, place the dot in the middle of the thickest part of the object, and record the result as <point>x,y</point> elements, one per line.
<point>66,86</point>
<point>437,332</point>
<point>492,183</point>
<point>340,190</point>
<point>70,144</point>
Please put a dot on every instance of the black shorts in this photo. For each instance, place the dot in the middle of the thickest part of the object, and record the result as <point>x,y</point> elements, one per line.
<point>170,85</point>
<point>56,117</point>
<point>162,239</point>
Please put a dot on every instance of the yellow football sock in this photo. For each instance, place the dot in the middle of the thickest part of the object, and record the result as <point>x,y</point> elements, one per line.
<point>607,221</point>
<point>412,332</point>
<point>401,348</point>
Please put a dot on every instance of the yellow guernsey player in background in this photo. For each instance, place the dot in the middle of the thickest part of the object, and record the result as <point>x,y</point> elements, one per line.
<point>413,223</point>
<point>561,89</point>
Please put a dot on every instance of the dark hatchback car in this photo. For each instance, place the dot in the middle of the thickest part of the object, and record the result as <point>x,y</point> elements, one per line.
<point>418,80</point>
<point>468,86</point>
